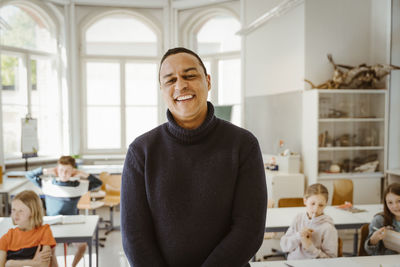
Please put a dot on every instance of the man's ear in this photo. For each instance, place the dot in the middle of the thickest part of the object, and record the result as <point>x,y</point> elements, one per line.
<point>208,82</point>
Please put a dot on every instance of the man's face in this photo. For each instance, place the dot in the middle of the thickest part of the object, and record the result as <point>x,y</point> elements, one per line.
<point>64,171</point>
<point>185,87</point>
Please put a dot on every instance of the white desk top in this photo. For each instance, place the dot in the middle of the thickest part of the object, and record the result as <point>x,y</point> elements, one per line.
<point>370,261</point>
<point>9,184</point>
<point>279,218</point>
<point>97,169</point>
<point>62,231</point>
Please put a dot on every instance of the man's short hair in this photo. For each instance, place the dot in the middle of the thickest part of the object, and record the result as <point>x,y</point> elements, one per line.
<point>67,160</point>
<point>178,50</point>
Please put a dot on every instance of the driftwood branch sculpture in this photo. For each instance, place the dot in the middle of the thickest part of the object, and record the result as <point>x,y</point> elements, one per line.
<point>362,76</point>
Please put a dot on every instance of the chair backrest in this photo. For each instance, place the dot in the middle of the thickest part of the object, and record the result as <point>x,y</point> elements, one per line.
<point>291,202</point>
<point>364,234</point>
<point>84,201</point>
<point>342,191</point>
<point>111,183</point>
<point>340,247</point>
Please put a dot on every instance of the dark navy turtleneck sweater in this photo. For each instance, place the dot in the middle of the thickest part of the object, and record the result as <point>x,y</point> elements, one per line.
<point>193,197</point>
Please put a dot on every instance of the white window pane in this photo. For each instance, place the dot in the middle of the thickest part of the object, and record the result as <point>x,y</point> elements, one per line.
<point>138,121</point>
<point>14,100</point>
<point>121,35</point>
<point>12,115</point>
<point>218,35</point>
<point>229,82</point>
<point>27,29</point>
<point>103,83</point>
<point>46,107</point>
<point>103,127</point>
<point>141,84</point>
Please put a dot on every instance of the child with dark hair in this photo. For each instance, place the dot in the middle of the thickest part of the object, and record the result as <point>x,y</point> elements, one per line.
<point>388,219</point>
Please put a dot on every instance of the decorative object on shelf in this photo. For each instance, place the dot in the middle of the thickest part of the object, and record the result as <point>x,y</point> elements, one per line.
<point>368,167</point>
<point>363,76</point>
<point>335,168</point>
<point>335,113</point>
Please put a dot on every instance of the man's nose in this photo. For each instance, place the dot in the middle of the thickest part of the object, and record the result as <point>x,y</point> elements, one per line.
<point>180,84</point>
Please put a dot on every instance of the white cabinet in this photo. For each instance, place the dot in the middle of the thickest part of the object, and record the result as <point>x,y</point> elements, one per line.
<point>284,185</point>
<point>346,128</point>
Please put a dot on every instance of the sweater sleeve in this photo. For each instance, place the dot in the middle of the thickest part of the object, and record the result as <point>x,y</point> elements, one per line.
<point>377,222</point>
<point>137,230</point>
<point>34,176</point>
<point>329,245</point>
<point>248,215</point>
<point>292,239</point>
<point>94,182</point>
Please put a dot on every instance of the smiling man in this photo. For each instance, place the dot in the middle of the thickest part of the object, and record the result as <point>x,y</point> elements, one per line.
<point>193,189</point>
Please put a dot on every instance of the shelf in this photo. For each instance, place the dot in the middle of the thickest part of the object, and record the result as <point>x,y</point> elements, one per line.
<point>350,175</point>
<point>352,120</point>
<point>351,91</point>
<point>350,148</point>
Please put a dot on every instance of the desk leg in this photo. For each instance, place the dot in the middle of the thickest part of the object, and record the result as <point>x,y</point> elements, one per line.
<point>90,251</point>
<point>97,245</point>
<point>6,211</point>
<point>355,244</point>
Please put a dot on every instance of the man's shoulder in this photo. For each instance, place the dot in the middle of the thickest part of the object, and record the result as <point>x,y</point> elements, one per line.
<point>236,131</point>
<point>148,137</point>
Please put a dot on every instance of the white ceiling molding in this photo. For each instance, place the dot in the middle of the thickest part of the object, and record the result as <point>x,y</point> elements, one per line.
<point>277,11</point>
<point>186,4</point>
<point>115,3</point>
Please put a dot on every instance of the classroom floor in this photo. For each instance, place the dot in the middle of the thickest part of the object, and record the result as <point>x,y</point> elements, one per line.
<point>112,253</point>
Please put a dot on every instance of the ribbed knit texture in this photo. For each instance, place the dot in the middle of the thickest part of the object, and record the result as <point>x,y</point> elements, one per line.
<point>193,197</point>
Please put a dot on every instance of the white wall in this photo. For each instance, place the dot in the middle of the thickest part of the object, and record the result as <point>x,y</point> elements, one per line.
<point>274,52</point>
<point>339,27</point>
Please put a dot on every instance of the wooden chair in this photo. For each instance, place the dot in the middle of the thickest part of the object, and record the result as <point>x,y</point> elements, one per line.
<point>340,247</point>
<point>342,191</point>
<point>86,204</point>
<point>364,234</point>
<point>112,187</point>
<point>291,202</point>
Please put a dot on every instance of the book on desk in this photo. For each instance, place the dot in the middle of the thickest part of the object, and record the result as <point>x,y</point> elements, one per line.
<point>62,219</point>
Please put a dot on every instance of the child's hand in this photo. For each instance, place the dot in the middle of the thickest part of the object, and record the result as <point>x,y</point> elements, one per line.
<point>306,234</point>
<point>42,255</point>
<point>378,235</point>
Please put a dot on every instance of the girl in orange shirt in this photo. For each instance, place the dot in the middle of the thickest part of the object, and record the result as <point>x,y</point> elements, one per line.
<point>31,242</point>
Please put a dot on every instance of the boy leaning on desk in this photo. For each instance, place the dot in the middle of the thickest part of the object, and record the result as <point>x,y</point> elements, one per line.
<point>63,189</point>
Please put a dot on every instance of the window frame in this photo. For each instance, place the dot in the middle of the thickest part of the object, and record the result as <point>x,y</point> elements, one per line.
<point>122,61</point>
<point>28,54</point>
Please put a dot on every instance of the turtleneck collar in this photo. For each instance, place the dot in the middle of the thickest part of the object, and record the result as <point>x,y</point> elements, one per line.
<point>191,136</point>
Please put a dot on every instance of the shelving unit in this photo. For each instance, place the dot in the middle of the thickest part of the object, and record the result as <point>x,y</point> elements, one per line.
<point>348,128</point>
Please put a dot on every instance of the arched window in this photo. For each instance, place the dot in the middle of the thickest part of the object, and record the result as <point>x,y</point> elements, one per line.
<point>29,77</point>
<point>219,46</point>
<point>121,91</point>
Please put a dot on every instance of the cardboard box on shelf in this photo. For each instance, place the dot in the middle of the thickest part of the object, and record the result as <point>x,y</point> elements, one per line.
<point>289,163</point>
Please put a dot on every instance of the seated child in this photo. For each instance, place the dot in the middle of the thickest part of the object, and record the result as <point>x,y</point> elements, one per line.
<point>31,242</point>
<point>63,191</point>
<point>312,234</point>
<point>388,219</point>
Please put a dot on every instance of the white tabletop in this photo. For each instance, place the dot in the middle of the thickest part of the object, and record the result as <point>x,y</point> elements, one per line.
<point>370,261</point>
<point>62,231</point>
<point>9,184</point>
<point>97,169</point>
<point>279,219</point>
